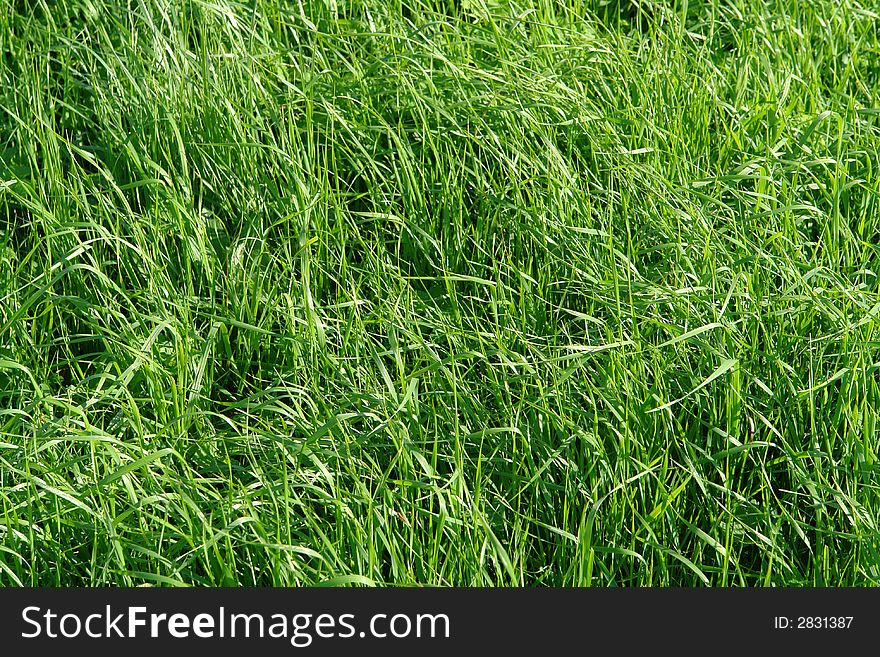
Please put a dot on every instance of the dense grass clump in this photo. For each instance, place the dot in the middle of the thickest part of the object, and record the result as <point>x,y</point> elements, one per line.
<point>484,292</point>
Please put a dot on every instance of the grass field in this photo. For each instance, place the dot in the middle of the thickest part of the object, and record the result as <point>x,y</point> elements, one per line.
<point>453,293</point>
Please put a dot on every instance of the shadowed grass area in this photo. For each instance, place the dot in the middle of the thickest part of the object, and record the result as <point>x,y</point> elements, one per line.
<point>453,293</point>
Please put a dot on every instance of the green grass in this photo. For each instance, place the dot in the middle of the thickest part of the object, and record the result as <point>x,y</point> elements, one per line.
<point>455,293</point>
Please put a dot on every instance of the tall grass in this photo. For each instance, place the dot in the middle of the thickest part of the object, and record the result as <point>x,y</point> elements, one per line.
<point>451,293</point>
